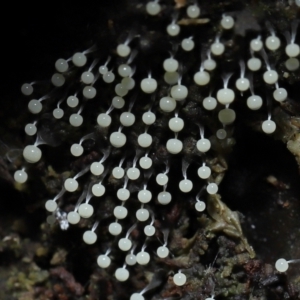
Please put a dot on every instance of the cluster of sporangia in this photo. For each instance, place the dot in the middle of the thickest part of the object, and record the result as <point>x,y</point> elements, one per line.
<point>169,105</point>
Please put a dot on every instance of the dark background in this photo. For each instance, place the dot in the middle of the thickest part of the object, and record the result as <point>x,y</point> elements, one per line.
<point>34,36</point>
